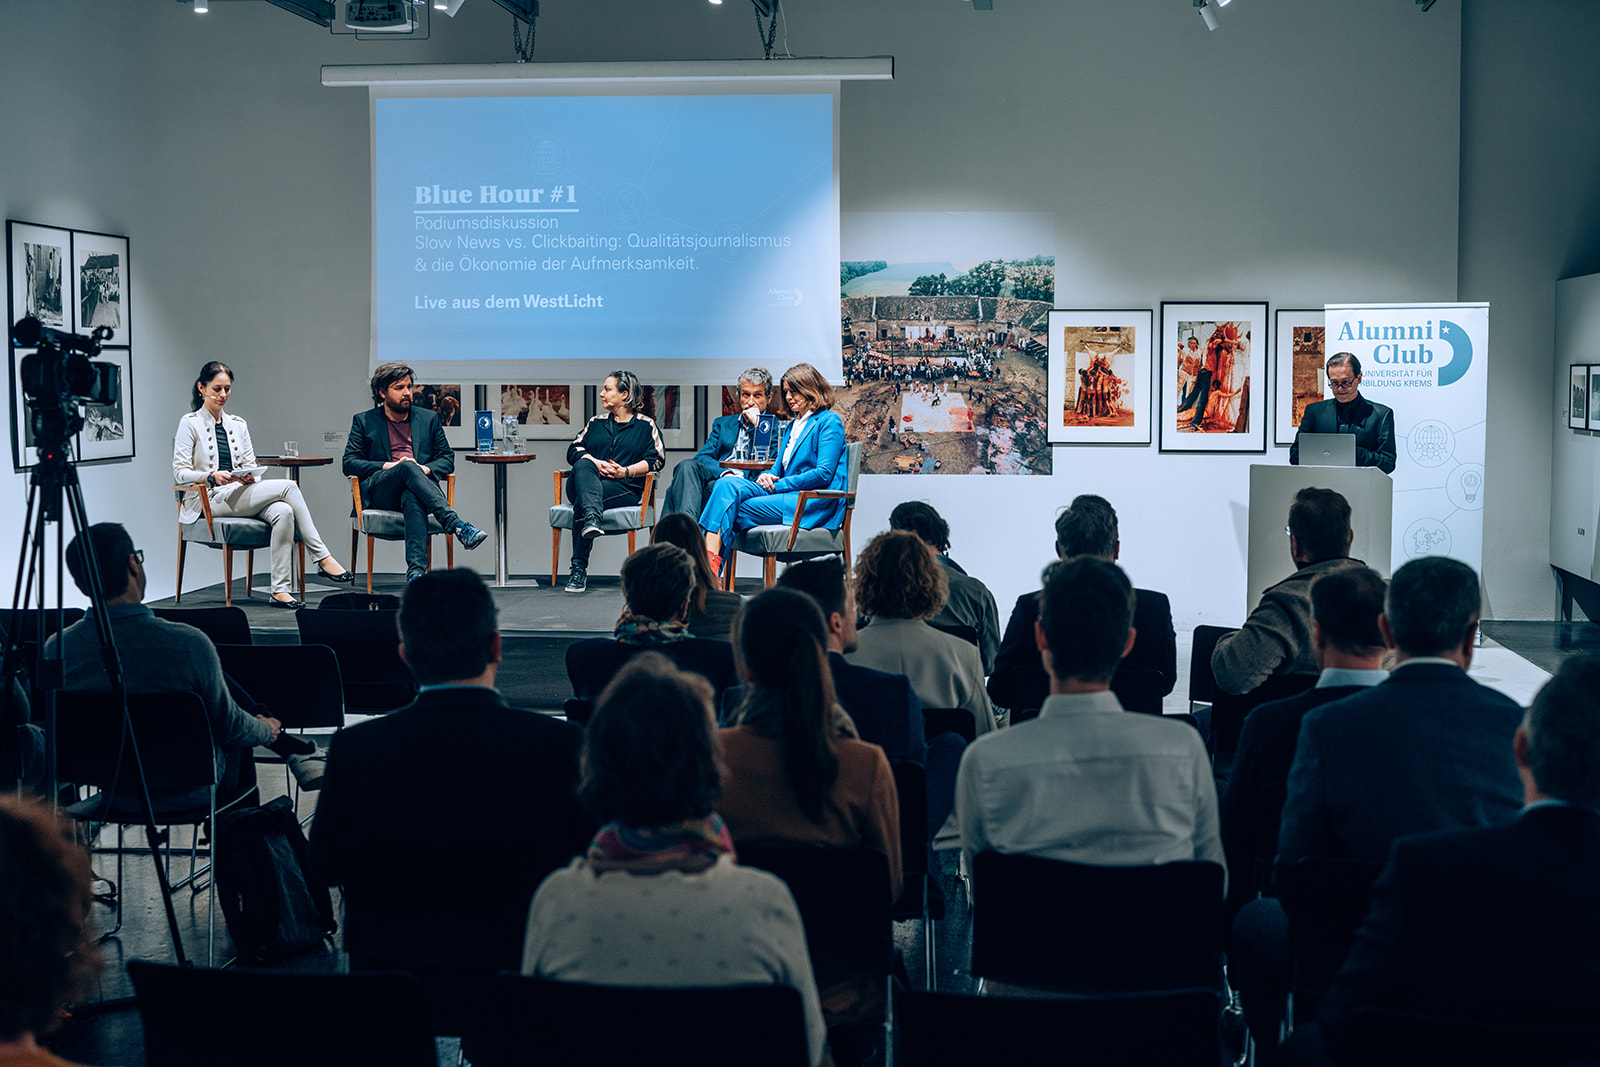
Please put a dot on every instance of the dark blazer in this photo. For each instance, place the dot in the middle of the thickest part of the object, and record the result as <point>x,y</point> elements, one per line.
<point>1019,680</point>
<point>1429,749</point>
<point>453,764</point>
<point>719,444</point>
<point>1252,805</point>
<point>885,709</point>
<point>593,663</point>
<point>1495,924</point>
<point>366,450</point>
<point>1373,425</point>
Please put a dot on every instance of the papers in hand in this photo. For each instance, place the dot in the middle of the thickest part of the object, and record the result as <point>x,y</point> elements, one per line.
<point>254,472</point>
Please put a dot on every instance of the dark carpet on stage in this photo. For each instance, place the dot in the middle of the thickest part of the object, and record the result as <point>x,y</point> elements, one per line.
<point>1544,644</point>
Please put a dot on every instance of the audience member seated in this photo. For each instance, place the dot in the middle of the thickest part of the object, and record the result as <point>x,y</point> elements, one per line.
<point>793,772</point>
<point>658,589</point>
<point>658,899</point>
<point>1276,638</point>
<point>883,706</point>
<point>46,959</point>
<point>969,602</point>
<point>692,479</point>
<point>158,656</point>
<point>712,609</point>
<point>493,774</point>
<point>1086,527</point>
<point>1427,749</point>
<point>1085,782</point>
<point>1349,648</point>
<point>900,585</point>
<point>1495,924</point>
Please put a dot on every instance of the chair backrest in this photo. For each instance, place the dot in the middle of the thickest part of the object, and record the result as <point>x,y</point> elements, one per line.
<point>842,894</point>
<point>359,602</point>
<point>936,721</point>
<point>570,1022</point>
<point>1228,711</point>
<point>911,783</point>
<point>300,684</point>
<point>578,710</point>
<point>1141,689</point>
<point>26,621</point>
<point>1177,1029</point>
<point>367,644</point>
<point>86,735</point>
<point>852,457</point>
<point>1386,1037</point>
<point>1202,685</point>
<point>258,1018</point>
<point>1325,900</point>
<point>1081,928</point>
<point>225,626</point>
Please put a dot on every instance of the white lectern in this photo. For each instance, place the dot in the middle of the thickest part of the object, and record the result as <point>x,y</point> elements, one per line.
<point>1272,490</point>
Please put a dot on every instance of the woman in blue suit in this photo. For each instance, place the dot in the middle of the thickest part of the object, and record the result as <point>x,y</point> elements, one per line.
<point>811,457</point>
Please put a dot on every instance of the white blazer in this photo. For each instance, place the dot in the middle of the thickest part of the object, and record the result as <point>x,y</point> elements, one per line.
<point>194,455</point>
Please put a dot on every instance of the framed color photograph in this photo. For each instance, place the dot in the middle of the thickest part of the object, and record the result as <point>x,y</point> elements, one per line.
<point>444,400</point>
<point>672,408</point>
<point>1100,377</point>
<point>544,410</point>
<point>1594,396</point>
<point>1299,352</point>
<point>1578,400</point>
<point>99,281</point>
<point>108,429</point>
<point>1213,377</point>
<point>38,257</point>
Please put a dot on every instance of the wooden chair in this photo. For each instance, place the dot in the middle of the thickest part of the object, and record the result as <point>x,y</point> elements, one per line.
<point>629,519</point>
<point>229,533</point>
<point>380,523</point>
<point>793,543</point>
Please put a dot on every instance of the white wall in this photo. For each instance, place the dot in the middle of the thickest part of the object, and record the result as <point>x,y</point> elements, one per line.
<point>1575,454</point>
<point>1305,152</point>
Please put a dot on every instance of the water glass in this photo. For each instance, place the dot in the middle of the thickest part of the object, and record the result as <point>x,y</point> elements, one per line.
<point>291,448</point>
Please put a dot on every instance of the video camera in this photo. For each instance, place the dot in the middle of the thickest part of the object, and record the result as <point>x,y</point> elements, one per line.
<point>61,374</point>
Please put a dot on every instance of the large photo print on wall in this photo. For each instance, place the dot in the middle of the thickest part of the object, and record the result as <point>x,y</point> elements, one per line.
<point>1213,377</point>
<point>1100,377</point>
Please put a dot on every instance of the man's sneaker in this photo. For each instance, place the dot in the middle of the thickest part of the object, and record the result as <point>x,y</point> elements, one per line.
<point>413,574</point>
<point>578,581</point>
<point>468,534</point>
<point>591,532</point>
<point>308,770</point>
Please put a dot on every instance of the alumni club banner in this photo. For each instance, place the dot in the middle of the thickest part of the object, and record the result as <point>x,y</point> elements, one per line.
<point>1429,362</point>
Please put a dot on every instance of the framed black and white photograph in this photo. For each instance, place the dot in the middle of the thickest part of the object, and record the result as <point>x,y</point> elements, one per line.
<point>99,285</point>
<point>39,286</point>
<point>1100,377</point>
<point>108,428</point>
<point>1213,377</point>
<point>1299,354</point>
<point>1578,398</point>
<point>1594,396</point>
<point>672,408</point>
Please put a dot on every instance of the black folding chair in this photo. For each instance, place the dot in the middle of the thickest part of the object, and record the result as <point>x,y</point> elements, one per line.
<point>843,897</point>
<point>1176,1029</point>
<point>936,721</point>
<point>300,685</point>
<point>916,900</point>
<point>1077,928</point>
<point>87,746</point>
<point>1141,689</point>
<point>367,644</point>
<point>1324,900</point>
<point>225,625</point>
<point>195,1017</point>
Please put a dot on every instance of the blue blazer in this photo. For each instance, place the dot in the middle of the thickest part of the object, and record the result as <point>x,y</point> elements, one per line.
<point>719,444</point>
<point>818,463</point>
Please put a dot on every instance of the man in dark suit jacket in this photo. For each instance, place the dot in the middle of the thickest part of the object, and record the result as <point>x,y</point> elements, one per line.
<point>399,453</point>
<point>1349,647</point>
<point>1350,412</point>
<point>657,583</point>
<point>1494,924</point>
<point>1088,527</point>
<point>457,765</point>
<point>691,480</point>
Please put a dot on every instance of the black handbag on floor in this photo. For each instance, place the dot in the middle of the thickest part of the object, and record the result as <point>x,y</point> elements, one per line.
<point>272,909</point>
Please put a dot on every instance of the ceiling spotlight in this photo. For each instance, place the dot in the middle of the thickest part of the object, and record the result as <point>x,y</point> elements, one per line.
<point>1208,12</point>
<point>200,7</point>
<point>449,7</point>
<point>1222,3</point>
<point>716,1</point>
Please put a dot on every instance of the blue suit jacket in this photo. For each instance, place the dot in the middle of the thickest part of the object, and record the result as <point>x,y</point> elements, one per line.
<point>885,709</point>
<point>818,463</point>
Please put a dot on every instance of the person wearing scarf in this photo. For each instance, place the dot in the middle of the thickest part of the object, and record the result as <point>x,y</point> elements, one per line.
<point>659,899</point>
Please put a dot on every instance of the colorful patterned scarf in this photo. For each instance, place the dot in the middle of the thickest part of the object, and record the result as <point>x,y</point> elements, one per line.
<point>691,845</point>
<point>638,630</point>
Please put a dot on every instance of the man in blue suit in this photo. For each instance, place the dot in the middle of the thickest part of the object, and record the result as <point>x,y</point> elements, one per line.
<point>692,481</point>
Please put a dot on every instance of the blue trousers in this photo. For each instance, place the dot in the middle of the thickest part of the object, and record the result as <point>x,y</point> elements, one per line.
<point>736,503</point>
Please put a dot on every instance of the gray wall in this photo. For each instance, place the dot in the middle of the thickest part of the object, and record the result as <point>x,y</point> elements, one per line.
<point>1304,153</point>
<point>1575,454</point>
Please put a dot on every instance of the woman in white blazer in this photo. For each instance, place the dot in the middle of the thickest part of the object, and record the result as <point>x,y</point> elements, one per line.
<point>210,445</point>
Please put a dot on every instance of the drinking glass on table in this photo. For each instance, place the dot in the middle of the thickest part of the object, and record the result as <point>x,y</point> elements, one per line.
<point>291,448</point>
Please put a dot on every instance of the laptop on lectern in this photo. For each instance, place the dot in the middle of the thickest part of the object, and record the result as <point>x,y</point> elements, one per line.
<point>1327,450</point>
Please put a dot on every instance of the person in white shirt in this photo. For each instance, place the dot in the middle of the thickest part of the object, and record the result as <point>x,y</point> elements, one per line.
<point>1087,781</point>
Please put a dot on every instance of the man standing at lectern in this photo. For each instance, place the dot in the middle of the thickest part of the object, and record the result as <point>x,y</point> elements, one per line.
<point>692,479</point>
<point>1350,412</point>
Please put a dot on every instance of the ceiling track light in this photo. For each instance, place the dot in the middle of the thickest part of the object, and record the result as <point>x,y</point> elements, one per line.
<point>449,7</point>
<point>201,7</point>
<point>1208,13</point>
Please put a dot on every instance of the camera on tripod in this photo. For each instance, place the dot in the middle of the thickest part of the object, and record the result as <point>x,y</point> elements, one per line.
<point>60,374</point>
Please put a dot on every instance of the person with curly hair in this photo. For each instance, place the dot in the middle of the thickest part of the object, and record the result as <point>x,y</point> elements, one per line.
<point>45,956</point>
<point>900,585</point>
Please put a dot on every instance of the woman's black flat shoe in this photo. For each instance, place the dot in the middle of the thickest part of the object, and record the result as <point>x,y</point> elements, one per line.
<point>290,603</point>
<point>343,579</point>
